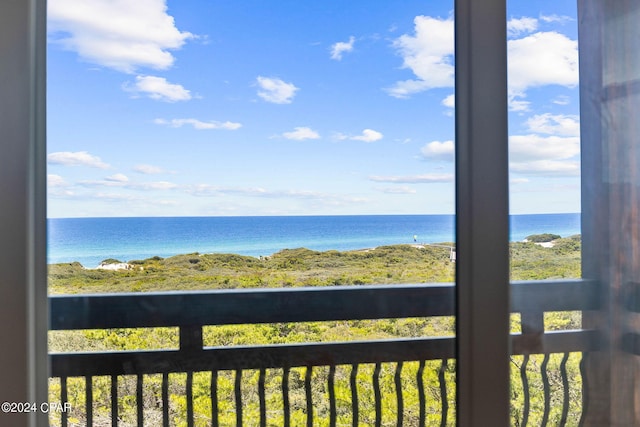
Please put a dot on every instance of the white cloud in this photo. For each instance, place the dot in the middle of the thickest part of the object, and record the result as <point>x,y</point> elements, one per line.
<point>301,133</point>
<point>540,59</point>
<point>518,26</point>
<point>518,104</point>
<point>449,101</point>
<point>101,183</point>
<point>120,34</point>
<point>117,178</point>
<point>414,179</point>
<point>428,54</point>
<point>116,197</point>
<point>397,190</point>
<point>204,190</point>
<point>118,181</point>
<point>544,155</point>
<point>158,88</point>
<point>77,158</point>
<point>275,90</point>
<point>368,135</point>
<point>551,150</point>
<point>60,192</point>
<point>148,169</point>
<point>209,190</point>
<point>158,185</point>
<point>518,181</point>
<point>166,202</point>
<point>404,89</point>
<point>55,181</point>
<point>339,48</point>
<point>547,168</point>
<point>562,100</point>
<point>198,124</point>
<point>534,147</point>
<point>438,150</point>
<point>567,125</point>
<point>561,19</point>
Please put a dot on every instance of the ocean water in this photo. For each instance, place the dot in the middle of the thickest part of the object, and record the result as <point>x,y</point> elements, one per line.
<point>91,240</point>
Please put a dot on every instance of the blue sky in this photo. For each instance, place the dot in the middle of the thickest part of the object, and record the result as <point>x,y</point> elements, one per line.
<point>197,108</point>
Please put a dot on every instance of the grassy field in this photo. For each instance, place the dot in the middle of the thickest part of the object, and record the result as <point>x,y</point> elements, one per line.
<point>303,267</point>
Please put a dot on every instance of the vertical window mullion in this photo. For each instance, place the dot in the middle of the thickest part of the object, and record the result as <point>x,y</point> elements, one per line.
<point>482,213</point>
<point>23,269</point>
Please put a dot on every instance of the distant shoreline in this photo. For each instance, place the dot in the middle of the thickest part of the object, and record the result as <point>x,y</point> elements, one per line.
<point>90,241</point>
<point>115,264</point>
<point>392,264</point>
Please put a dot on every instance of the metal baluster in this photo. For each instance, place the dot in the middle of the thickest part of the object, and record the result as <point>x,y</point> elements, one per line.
<point>261,397</point>
<point>565,389</point>
<point>114,400</point>
<point>585,387</point>
<point>238,393</point>
<point>443,393</point>
<point>355,410</point>
<point>398,381</point>
<point>309,397</point>
<point>214,398</point>
<point>546,390</point>
<point>139,400</point>
<point>421,397</point>
<point>285,396</point>
<point>189,399</point>
<point>332,396</point>
<point>165,400</point>
<point>525,390</point>
<point>378,397</point>
<point>89,399</point>
<point>64,398</point>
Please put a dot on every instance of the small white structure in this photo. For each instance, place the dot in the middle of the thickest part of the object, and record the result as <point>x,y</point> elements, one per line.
<point>115,266</point>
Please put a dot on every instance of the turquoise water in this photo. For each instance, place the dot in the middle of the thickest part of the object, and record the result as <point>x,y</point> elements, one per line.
<point>91,240</point>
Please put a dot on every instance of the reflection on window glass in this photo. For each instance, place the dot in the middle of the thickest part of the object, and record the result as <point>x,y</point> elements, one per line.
<point>544,164</point>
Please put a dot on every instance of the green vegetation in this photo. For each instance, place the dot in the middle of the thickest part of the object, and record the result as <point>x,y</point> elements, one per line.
<point>543,238</point>
<point>291,267</point>
<point>303,267</point>
<point>110,261</point>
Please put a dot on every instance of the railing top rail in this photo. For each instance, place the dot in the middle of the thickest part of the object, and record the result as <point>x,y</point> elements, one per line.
<point>294,355</point>
<point>553,295</point>
<point>282,290</point>
<point>224,307</point>
<point>251,306</point>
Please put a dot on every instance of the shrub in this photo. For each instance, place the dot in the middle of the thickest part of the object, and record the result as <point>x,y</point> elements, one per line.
<point>111,261</point>
<point>542,238</point>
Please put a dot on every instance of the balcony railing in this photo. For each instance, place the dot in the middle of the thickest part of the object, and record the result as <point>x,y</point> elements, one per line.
<point>191,311</point>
